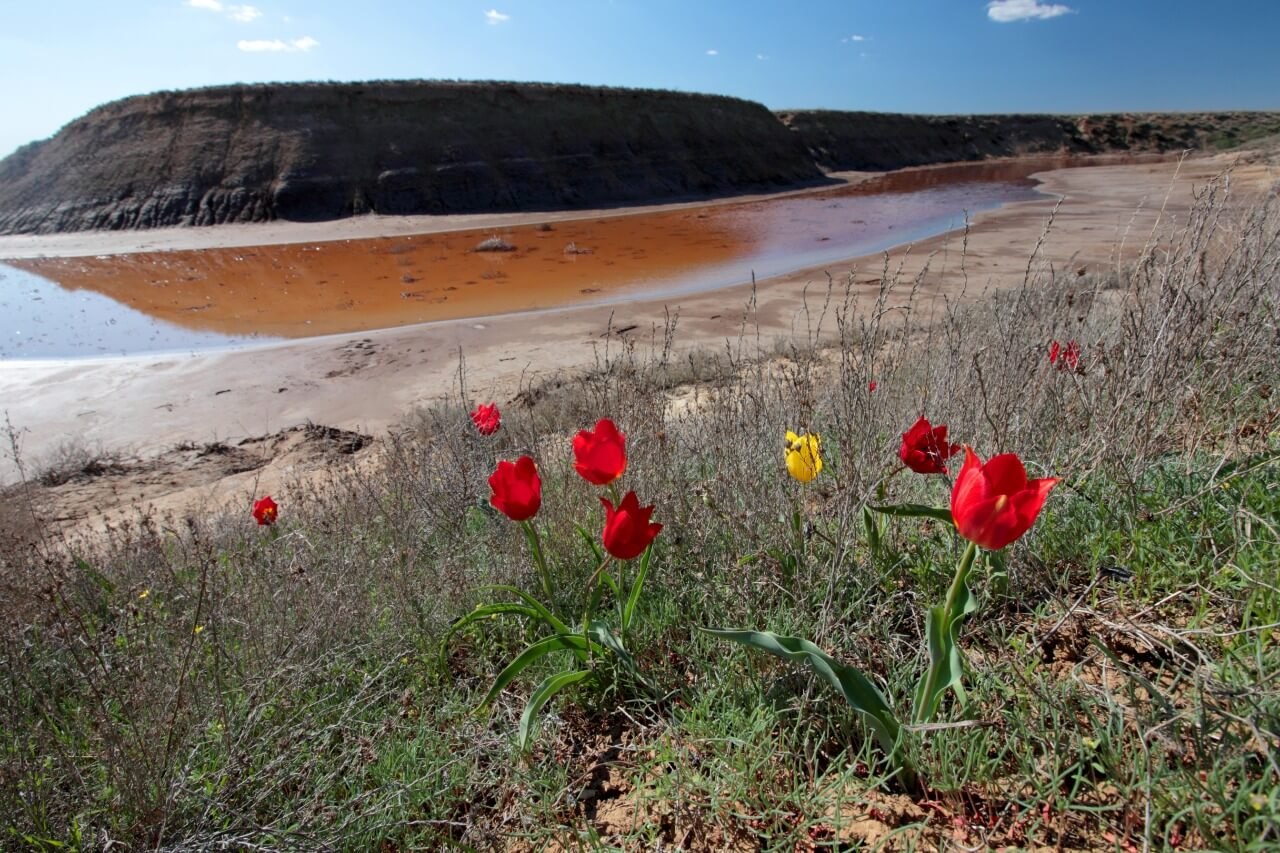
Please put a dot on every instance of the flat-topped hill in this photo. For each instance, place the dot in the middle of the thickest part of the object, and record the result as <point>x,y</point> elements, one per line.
<point>874,141</point>
<point>325,151</point>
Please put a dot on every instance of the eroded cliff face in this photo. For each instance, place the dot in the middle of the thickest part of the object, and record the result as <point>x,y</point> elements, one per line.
<point>325,151</point>
<point>314,152</point>
<point>879,141</point>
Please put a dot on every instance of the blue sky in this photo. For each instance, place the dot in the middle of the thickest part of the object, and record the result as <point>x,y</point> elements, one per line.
<point>60,58</point>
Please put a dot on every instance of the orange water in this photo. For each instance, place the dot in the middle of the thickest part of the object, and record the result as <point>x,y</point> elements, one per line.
<point>300,290</point>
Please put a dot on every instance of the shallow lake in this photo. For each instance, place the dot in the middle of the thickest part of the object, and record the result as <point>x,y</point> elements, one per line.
<point>177,301</point>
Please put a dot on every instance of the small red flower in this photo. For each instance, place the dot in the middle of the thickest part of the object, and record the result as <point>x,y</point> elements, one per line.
<point>1071,355</point>
<point>627,530</point>
<point>871,386</point>
<point>600,456</point>
<point>265,511</point>
<point>1065,358</point>
<point>924,448</point>
<point>486,418</point>
<point>517,489</point>
<point>994,503</point>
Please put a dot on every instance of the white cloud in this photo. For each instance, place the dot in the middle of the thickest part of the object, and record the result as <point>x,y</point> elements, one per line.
<point>244,14</point>
<point>494,17</point>
<point>761,57</point>
<point>276,45</point>
<point>856,37</point>
<point>1004,11</point>
<point>713,52</point>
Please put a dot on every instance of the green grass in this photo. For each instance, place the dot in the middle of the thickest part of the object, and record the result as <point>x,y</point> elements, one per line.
<point>202,683</point>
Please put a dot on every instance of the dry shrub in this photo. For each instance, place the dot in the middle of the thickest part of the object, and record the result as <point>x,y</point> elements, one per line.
<point>129,657</point>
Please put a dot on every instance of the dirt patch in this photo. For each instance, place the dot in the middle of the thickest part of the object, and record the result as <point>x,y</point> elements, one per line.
<point>94,491</point>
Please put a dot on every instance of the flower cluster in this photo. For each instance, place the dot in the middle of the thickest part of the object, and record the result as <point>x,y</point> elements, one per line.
<point>600,458</point>
<point>992,503</point>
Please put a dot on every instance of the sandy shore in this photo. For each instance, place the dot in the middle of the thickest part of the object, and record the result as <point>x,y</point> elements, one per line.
<point>368,381</point>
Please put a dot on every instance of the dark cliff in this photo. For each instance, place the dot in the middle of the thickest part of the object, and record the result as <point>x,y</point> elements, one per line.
<point>326,151</point>
<point>321,151</point>
<point>878,141</point>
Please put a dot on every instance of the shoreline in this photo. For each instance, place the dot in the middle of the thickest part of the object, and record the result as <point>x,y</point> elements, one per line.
<point>369,381</point>
<point>369,226</point>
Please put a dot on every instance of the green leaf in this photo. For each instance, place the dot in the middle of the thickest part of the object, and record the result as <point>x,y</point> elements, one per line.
<point>629,609</point>
<point>483,612</point>
<point>600,579</point>
<point>541,694</point>
<point>535,652</point>
<point>942,635</point>
<point>917,511</point>
<point>873,530</point>
<point>543,613</point>
<point>856,688</point>
<point>591,543</point>
<point>998,572</point>
<point>599,631</point>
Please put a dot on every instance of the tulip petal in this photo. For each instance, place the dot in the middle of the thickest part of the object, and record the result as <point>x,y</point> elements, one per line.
<point>970,486</point>
<point>1005,474</point>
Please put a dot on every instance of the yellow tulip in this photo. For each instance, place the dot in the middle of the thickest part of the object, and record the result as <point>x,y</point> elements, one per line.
<point>804,461</point>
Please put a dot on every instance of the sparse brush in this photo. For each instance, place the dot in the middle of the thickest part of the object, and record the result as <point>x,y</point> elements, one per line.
<point>494,244</point>
<point>195,683</point>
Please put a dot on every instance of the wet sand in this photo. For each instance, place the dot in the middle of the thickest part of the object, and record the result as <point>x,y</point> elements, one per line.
<point>368,381</point>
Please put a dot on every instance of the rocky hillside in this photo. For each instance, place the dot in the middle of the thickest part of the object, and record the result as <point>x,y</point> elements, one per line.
<point>877,141</point>
<point>326,151</point>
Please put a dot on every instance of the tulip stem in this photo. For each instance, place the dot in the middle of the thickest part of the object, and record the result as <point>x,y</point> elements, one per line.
<point>944,655</point>
<point>539,559</point>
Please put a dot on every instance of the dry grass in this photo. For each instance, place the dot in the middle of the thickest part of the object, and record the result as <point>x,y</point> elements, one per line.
<point>198,684</point>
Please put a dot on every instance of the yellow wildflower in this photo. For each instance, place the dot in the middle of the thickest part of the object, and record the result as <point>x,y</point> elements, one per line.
<point>804,461</point>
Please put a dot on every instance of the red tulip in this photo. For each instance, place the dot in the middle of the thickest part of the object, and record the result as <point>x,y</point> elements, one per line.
<point>600,456</point>
<point>1071,355</point>
<point>1066,358</point>
<point>924,448</point>
<point>627,531</point>
<point>994,503</point>
<point>486,418</point>
<point>517,489</point>
<point>265,511</point>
